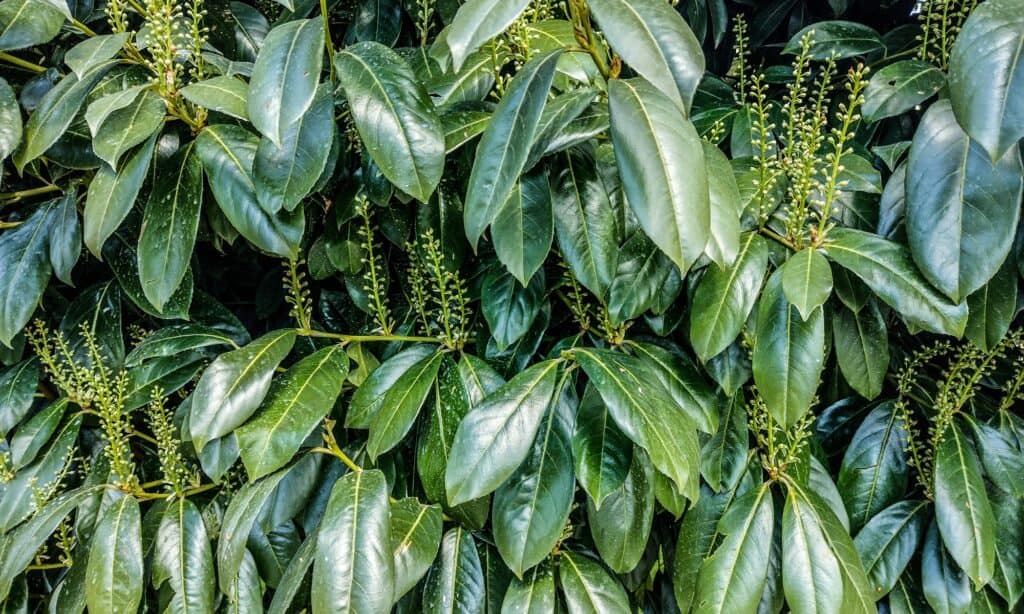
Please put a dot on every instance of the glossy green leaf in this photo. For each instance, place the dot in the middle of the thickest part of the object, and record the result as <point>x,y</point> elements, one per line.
<point>182,557</point>
<point>505,145</point>
<point>401,405</point>
<point>222,94</point>
<point>523,227</point>
<point>17,388</point>
<point>887,269</point>
<point>26,23</point>
<point>732,579</point>
<point>171,340</point>
<point>888,542</point>
<point>532,506</point>
<point>30,437</point>
<point>946,587</point>
<point>724,456</point>
<point>1000,457</point>
<point>18,501</point>
<point>509,307</point>
<point>661,162</point>
<point>234,385</point>
<point>992,307</point>
<point>806,281</point>
<point>415,539</point>
<point>395,118</point>
<point>873,474</point>
<point>622,526</point>
<point>962,509</point>
<point>557,116</point>
<point>294,576</point>
<point>169,225</point>
<point>841,39</point>
<point>369,397</point>
<point>284,175</point>
<point>296,403</point>
<point>683,381</point>
<point>92,51</point>
<point>533,594</point>
<point>587,588</point>
<point>496,435</point>
<point>655,41</point>
<point>114,580</point>
<point>478,21</point>
<point>128,126</point>
<point>862,348</point>
<point>111,196</point>
<point>24,270</point>
<point>986,76</point>
<point>646,413</point>
<point>227,153</point>
<point>585,224</point>
<point>789,354</point>
<point>55,111</point>
<point>65,237</point>
<point>962,208</point>
<point>455,583</point>
<point>810,570</point>
<point>724,240</point>
<point>726,296</point>
<point>601,452</point>
<point>10,120</point>
<point>238,521</point>
<point>285,77</point>
<point>899,87</point>
<point>354,569</point>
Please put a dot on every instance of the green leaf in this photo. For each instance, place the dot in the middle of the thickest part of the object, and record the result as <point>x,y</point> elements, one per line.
<point>1000,457</point>
<point>557,116</point>
<point>861,340</point>
<point>92,51</point>
<point>19,501</point>
<point>227,153</point>
<point>296,403</point>
<point>415,538</point>
<point>455,583</point>
<point>294,577</point>
<point>992,307</point>
<point>534,594</point>
<point>726,206</point>
<point>55,111</point>
<point>887,269</point>
<point>111,196</point>
<point>533,505</point>
<point>732,579</point>
<point>17,389</point>
<point>724,456</point>
<point>661,162</point>
<point>888,542</point>
<point>354,570</point>
<point>810,570</point>
<point>31,436</point>
<point>460,127</point>
<point>123,261</point>
<point>394,116</point>
<point>601,452</point>
<point>509,307</point>
<point>986,76</point>
<point>856,596</point>
<point>401,405</point>
<point>471,83</point>
<point>806,281</point>
<point>21,545</point>
<point>646,413</point>
<point>873,474</point>
<point>789,354</point>
<point>172,340</point>
<point>505,145</point>
<point>239,518</point>
<point>103,107</point>
<point>378,20</point>
<point>285,77</point>
<point>946,587</point>
<point>223,94</point>
<point>27,23</point>
<point>478,21</point>
<point>726,296</point>
<point>114,578</point>
<point>127,127</point>
<point>169,226</point>
<point>622,526</point>
<point>496,436</point>
<point>653,39</point>
<point>899,87</point>
<point>841,39</point>
<point>587,587</point>
<point>523,227</point>
<point>284,175</point>
<point>65,237</point>
<point>24,270</point>
<point>962,508</point>
<point>369,397</point>
<point>234,385</point>
<point>182,557</point>
<point>683,381</point>
<point>697,533</point>
<point>585,225</point>
<point>1008,579</point>
<point>10,120</point>
<point>962,207</point>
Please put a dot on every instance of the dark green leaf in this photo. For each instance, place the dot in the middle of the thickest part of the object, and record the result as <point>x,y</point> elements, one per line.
<point>806,281</point>
<point>126,127</point>
<point>523,228</point>
<point>887,543</point>
<point>369,397</point>
<point>17,388</point>
<point>285,76</point>
<point>861,340</point>
<point>111,196</point>
<point>24,270</point>
<point>841,39</point>
<point>26,23</point>
<point>899,87</point>
<point>401,405</point>
<point>455,584</point>
<point>415,538</point>
<point>114,580</point>
<point>874,469</point>
<point>222,94</point>
<point>601,452</point>
<point>182,558</point>
<point>992,308</point>
<point>587,587</point>
<point>534,594</point>
<point>622,526</point>
<point>478,21</point>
